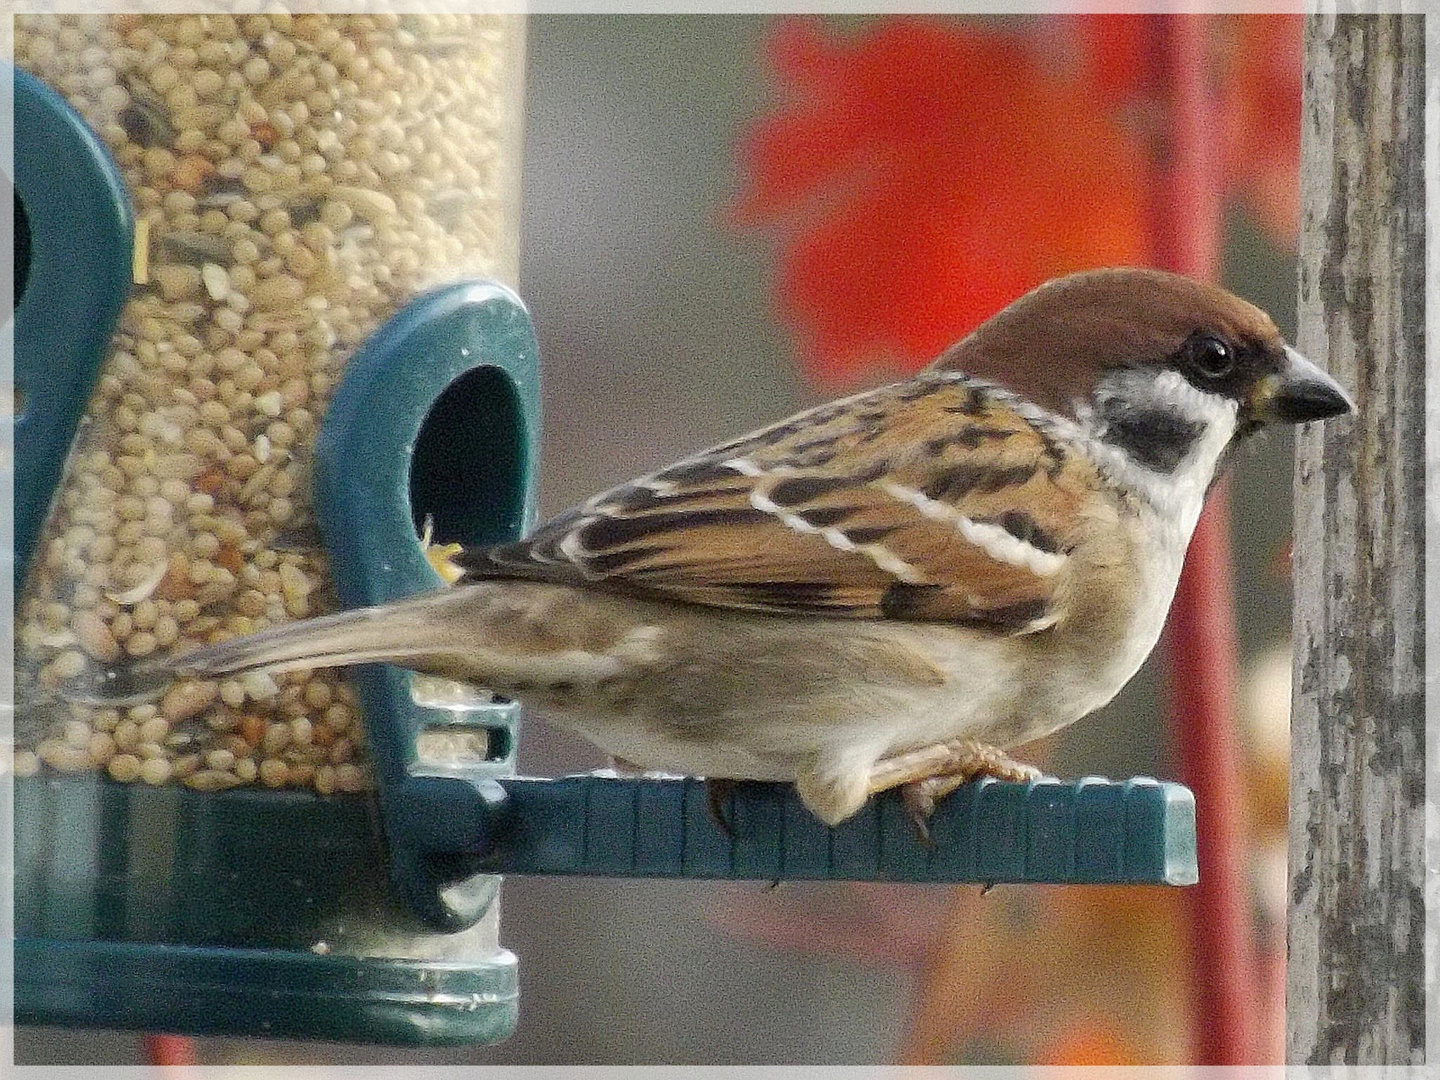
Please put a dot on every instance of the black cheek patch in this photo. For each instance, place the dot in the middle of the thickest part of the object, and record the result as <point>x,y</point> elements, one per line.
<point>1154,438</point>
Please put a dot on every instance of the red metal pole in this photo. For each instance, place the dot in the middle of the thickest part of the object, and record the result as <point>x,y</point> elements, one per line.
<point>1201,635</point>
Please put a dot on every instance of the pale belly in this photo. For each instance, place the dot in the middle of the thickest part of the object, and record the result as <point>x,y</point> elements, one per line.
<point>721,717</point>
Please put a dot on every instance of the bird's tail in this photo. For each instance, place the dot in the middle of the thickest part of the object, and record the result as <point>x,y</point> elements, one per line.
<point>411,630</point>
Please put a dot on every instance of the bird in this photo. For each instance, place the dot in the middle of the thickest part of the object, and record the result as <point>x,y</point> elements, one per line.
<point>891,590</point>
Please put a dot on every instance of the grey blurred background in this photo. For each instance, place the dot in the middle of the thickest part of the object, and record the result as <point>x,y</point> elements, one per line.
<point>657,339</point>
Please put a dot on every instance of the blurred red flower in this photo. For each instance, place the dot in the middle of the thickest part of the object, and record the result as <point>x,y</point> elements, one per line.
<point>921,174</point>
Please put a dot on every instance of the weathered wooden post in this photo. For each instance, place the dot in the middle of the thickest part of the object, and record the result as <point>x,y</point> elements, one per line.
<point>1357,798</point>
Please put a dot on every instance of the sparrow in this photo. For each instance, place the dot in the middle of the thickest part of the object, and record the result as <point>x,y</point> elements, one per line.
<point>890,590</point>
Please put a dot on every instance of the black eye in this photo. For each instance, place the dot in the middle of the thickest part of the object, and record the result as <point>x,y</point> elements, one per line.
<point>1210,356</point>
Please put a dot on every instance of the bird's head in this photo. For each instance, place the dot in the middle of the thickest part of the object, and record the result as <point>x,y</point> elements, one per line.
<point>1164,368</point>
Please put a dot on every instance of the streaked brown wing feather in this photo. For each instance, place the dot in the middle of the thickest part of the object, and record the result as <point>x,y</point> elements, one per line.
<point>935,499</point>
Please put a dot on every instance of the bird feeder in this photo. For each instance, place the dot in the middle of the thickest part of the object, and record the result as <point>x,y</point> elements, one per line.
<point>261,351</point>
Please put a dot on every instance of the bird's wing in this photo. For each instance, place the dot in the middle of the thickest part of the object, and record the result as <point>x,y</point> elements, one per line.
<point>937,499</point>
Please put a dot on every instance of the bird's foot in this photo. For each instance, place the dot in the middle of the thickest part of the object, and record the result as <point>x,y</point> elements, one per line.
<point>919,798</point>
<point>928,775</point>
<point>717,797</point>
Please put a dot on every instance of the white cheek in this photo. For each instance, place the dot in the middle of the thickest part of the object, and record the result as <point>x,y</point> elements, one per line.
<point>1220,416</point>
<point>1179,495</point>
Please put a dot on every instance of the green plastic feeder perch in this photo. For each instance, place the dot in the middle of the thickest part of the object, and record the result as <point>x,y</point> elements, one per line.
<point>288,913</point>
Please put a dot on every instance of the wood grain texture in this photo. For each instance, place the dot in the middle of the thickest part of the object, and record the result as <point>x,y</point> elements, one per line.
<point>1357,819</point>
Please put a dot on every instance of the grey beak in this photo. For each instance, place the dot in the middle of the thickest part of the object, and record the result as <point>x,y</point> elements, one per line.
<point>1303,392</point>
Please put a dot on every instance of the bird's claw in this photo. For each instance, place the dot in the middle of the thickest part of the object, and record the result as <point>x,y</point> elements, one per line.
<point>717,797</point>
<point>919,805</point>
<point>920,797</point>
